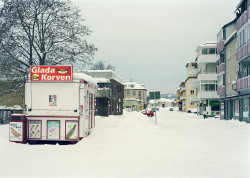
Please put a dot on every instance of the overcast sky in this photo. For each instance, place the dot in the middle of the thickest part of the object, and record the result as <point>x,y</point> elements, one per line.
<point>151,41</point>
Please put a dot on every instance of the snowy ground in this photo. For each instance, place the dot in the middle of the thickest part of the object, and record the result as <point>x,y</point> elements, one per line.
<point>181,146</point>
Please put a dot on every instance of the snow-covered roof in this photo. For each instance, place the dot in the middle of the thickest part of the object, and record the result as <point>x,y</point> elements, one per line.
<point>131,85</point>
<point>102,80</point>
<point>108,74</point>
<point>79,76</point>
<point>207,44</point>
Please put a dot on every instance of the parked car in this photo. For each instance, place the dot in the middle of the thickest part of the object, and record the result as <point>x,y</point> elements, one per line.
<point>148,113</point>
<point>155,109</point>
<point>171,109</point>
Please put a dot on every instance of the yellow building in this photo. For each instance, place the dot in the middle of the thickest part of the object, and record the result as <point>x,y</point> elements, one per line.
<point>134,92</point>
<point>191,98</point>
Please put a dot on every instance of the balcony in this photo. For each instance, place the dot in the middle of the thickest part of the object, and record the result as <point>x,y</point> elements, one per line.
<point>207,76</point>
<point>193,98</point>
<point>221,90</point>
<point>243,19</point>
<point>242,52</point>
<point>193,72</point>
<point>220,45</point>
<point>183,98</point>
<point>243,83</point>
<point>207,95</point>
<point>183,89</point>
<point>221,68</point>
<point>194,84</point>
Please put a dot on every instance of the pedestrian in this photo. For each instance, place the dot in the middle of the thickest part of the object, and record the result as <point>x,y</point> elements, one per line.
<point>204,114</point>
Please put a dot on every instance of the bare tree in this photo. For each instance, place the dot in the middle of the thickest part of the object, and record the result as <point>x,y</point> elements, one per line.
<point>39,32</point>
<point>101,66</point>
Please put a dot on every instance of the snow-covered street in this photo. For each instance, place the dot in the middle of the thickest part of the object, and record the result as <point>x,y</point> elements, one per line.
<point>181,145</point>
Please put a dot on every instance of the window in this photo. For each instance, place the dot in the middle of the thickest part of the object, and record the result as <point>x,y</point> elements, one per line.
<point>246,107</point>
<point>139,95</point>
<point>204,51</point>
<point>192,103</point>
<point>229,77</point>
<point>134,93</point>
<point>208,87</point>
<point>208,51</point>
<point>192,92</point>
<point>128,93</point>
<point>236,108</point>
<point>241,39</point>
<point>211,50</point>
<point>229,54</point>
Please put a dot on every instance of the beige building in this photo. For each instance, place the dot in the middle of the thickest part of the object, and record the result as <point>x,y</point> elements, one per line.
<point>133,90</point>
<point>191,99</point>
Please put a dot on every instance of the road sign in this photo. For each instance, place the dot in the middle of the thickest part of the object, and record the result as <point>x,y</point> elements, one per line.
<point>154,95</point>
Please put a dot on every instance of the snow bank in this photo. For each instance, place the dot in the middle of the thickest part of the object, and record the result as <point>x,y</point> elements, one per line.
<point>181,145</point>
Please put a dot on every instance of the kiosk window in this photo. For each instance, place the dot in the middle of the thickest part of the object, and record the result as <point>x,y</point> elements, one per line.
<point>16,118</point>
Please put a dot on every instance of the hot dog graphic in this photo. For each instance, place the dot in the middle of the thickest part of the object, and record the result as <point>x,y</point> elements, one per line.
<point>62,71</point>
<point>15,133</point>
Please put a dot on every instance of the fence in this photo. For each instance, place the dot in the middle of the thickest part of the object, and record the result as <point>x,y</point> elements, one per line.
<point>5,113</point>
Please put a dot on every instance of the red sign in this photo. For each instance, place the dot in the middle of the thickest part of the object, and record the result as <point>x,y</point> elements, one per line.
<point>51,73</point>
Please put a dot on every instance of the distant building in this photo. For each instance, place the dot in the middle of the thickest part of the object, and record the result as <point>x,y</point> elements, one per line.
<point>110,93</point>
<point>182,100</point>
<point>191,99</point>
<point>134,96</point>
<point>207,79</point>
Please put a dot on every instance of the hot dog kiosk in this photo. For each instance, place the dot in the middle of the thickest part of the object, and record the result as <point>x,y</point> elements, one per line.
<point>60,105</point>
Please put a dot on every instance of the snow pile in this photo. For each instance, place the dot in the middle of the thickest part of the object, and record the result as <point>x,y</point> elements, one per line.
<point>181,145</point>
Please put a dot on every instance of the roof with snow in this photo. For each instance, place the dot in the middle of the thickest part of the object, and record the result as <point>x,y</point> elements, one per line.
<point>131,85</point>
<point>107,74</point>
<point>79,76</point>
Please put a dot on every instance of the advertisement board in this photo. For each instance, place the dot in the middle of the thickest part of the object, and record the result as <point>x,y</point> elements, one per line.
<point>71,130</point>
<point>16,133</point>
<point>51,73</point>
<point>53,129</point>
<point>35,128</point>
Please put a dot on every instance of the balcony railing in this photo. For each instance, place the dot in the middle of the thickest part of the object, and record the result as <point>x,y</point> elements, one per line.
<point>242,51</point>
<point>220,45</point>
<point>243,83</point>
<point>194,98</point>
<point>221,68</point>
<point>193,72</point>
<point>243,19</point>
<point>221,90</point>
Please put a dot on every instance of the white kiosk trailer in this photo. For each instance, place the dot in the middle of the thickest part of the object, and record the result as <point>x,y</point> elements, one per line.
<point>60,105</point>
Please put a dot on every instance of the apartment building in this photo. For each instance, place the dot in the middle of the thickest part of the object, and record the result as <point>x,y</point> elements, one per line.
<point>134,95</point>
<point>241,103</point>
<point>191,98</point>
<point>182,101</point>
<point>224,37</point>
<point>207,79</point>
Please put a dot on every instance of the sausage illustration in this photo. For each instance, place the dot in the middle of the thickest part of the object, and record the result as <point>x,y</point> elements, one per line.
<point>62,71</point>
<point>15,133</point>
<point>70,132</point>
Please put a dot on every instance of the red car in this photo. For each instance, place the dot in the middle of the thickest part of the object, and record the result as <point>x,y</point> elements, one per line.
<point>148,113</point>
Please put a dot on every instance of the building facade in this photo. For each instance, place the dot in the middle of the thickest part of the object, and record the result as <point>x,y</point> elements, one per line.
<point>191,99</point>
<point>226,34</point>
<point>207,79</point>
<point>110,92</point>
<point>241,103</point>
<point>135,93</point>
